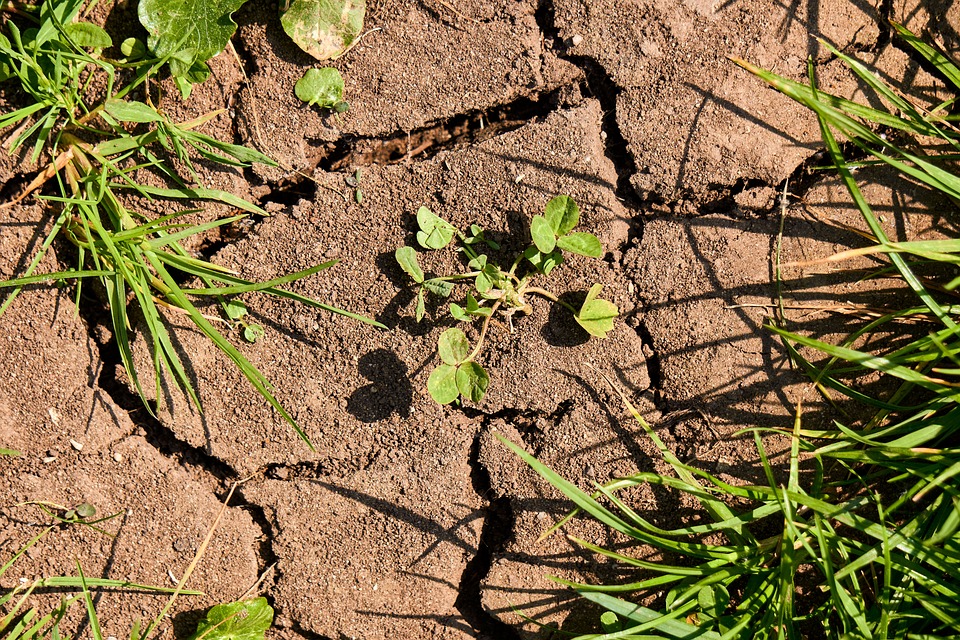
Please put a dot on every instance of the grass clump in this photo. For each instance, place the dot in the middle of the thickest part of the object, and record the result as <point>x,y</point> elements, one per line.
<point>865,544</point>
<point>94,138</point>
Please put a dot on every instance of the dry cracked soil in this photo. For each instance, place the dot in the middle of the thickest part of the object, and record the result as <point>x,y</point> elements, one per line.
<point>410,520</point>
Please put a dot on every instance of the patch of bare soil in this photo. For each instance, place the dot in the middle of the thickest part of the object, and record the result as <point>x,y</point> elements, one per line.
<point>410,520</point>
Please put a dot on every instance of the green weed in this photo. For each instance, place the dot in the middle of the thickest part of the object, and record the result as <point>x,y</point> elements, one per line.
<point>866,544</point>
<point>498,290</point>
<point>96,142</point>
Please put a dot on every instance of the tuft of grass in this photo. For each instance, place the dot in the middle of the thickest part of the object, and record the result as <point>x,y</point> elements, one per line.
<point>866,545</point>
<point>94,139</point>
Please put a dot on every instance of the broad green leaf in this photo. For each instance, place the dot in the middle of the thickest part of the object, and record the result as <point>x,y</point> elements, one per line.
<point>323,28</point>
<point>87,34</point>
<point>610,622</point>
<point>442,384</point>
<point>545,263</point>
<point>131,111</point>
<point>202,28</point>
<point>579,242</point>
<point>407,259</point>
<point>563,214</point>
<point>321,87</point>
<point>453,346</point>
<point>438,287</point>
<point>244,620</point>
<point>543,236</point>
<point>472,381</point>
<point>474,308</point>
<point>13,453</point>
<point>596,315</point>
<point>435,232</point>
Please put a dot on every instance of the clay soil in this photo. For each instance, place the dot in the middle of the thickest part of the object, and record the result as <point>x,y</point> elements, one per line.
<point>410,520</point>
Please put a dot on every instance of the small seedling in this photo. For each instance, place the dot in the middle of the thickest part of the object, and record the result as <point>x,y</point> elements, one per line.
<point>496,290</point>
<point>323,88</point>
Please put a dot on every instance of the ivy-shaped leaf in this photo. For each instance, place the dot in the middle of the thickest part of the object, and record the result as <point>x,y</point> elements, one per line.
<point>244,620</point>
<point>323,28</point>
<point>545,263</point>
<point>596,316</point>
<point>472,381</point>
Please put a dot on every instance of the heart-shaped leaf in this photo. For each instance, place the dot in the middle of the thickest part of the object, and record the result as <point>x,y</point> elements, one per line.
<point>435,232</point>
<point>584,244</point>
<point>453,346</point>
<point>543,236</point>
<point>407,259</point>
<point>321,87</point>
<point>472,381</point>
<point>596,316</point>
<point>244,620</point>
<point>442,384</point>
<point>323,28</point>
<point>563,214</point>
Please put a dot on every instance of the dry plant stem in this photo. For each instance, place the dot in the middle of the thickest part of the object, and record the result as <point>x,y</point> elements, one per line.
<point>42,177</point>
<point>543,293</point>
<point>193,563</point>
<point>483,331</point>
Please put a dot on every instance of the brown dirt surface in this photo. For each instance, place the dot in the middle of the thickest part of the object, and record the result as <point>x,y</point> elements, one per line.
<point>411,520</point>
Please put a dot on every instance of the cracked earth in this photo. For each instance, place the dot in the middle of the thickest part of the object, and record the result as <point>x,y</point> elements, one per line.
<point>411,520</point>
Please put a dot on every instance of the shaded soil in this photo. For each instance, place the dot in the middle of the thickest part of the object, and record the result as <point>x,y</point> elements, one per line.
<point>410,519</point>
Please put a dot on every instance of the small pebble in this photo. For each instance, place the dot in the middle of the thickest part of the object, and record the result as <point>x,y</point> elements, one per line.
<point>76,445</point>
<point>117,457</point>
<point>576,40</point>
<point>48,459</point>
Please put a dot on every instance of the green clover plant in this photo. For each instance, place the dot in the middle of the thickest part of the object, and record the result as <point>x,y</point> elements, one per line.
<point>497,290</point>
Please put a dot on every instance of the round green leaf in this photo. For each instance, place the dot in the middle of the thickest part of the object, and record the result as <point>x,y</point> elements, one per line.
<point>442,384</point>
<point>324,28</point>
<point>584,244</point>
<point>321,87</point>
<point>453,346</point>
<point>132,48</point>
<point>235,309</point>
<point>563,214</point>
<point>86,510</point>
<point>472,381</point>
<point>543,236</point>
<point>459,313</point>
<point>252,332</point>
<point>610,622</point>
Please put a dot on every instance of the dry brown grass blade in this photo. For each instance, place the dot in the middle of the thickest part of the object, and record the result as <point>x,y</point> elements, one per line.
<point>62,160</point>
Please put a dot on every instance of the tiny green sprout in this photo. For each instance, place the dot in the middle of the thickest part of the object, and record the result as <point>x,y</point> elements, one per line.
<point>498,290</point>
<point>323,88</point>
<point>252,332</point>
